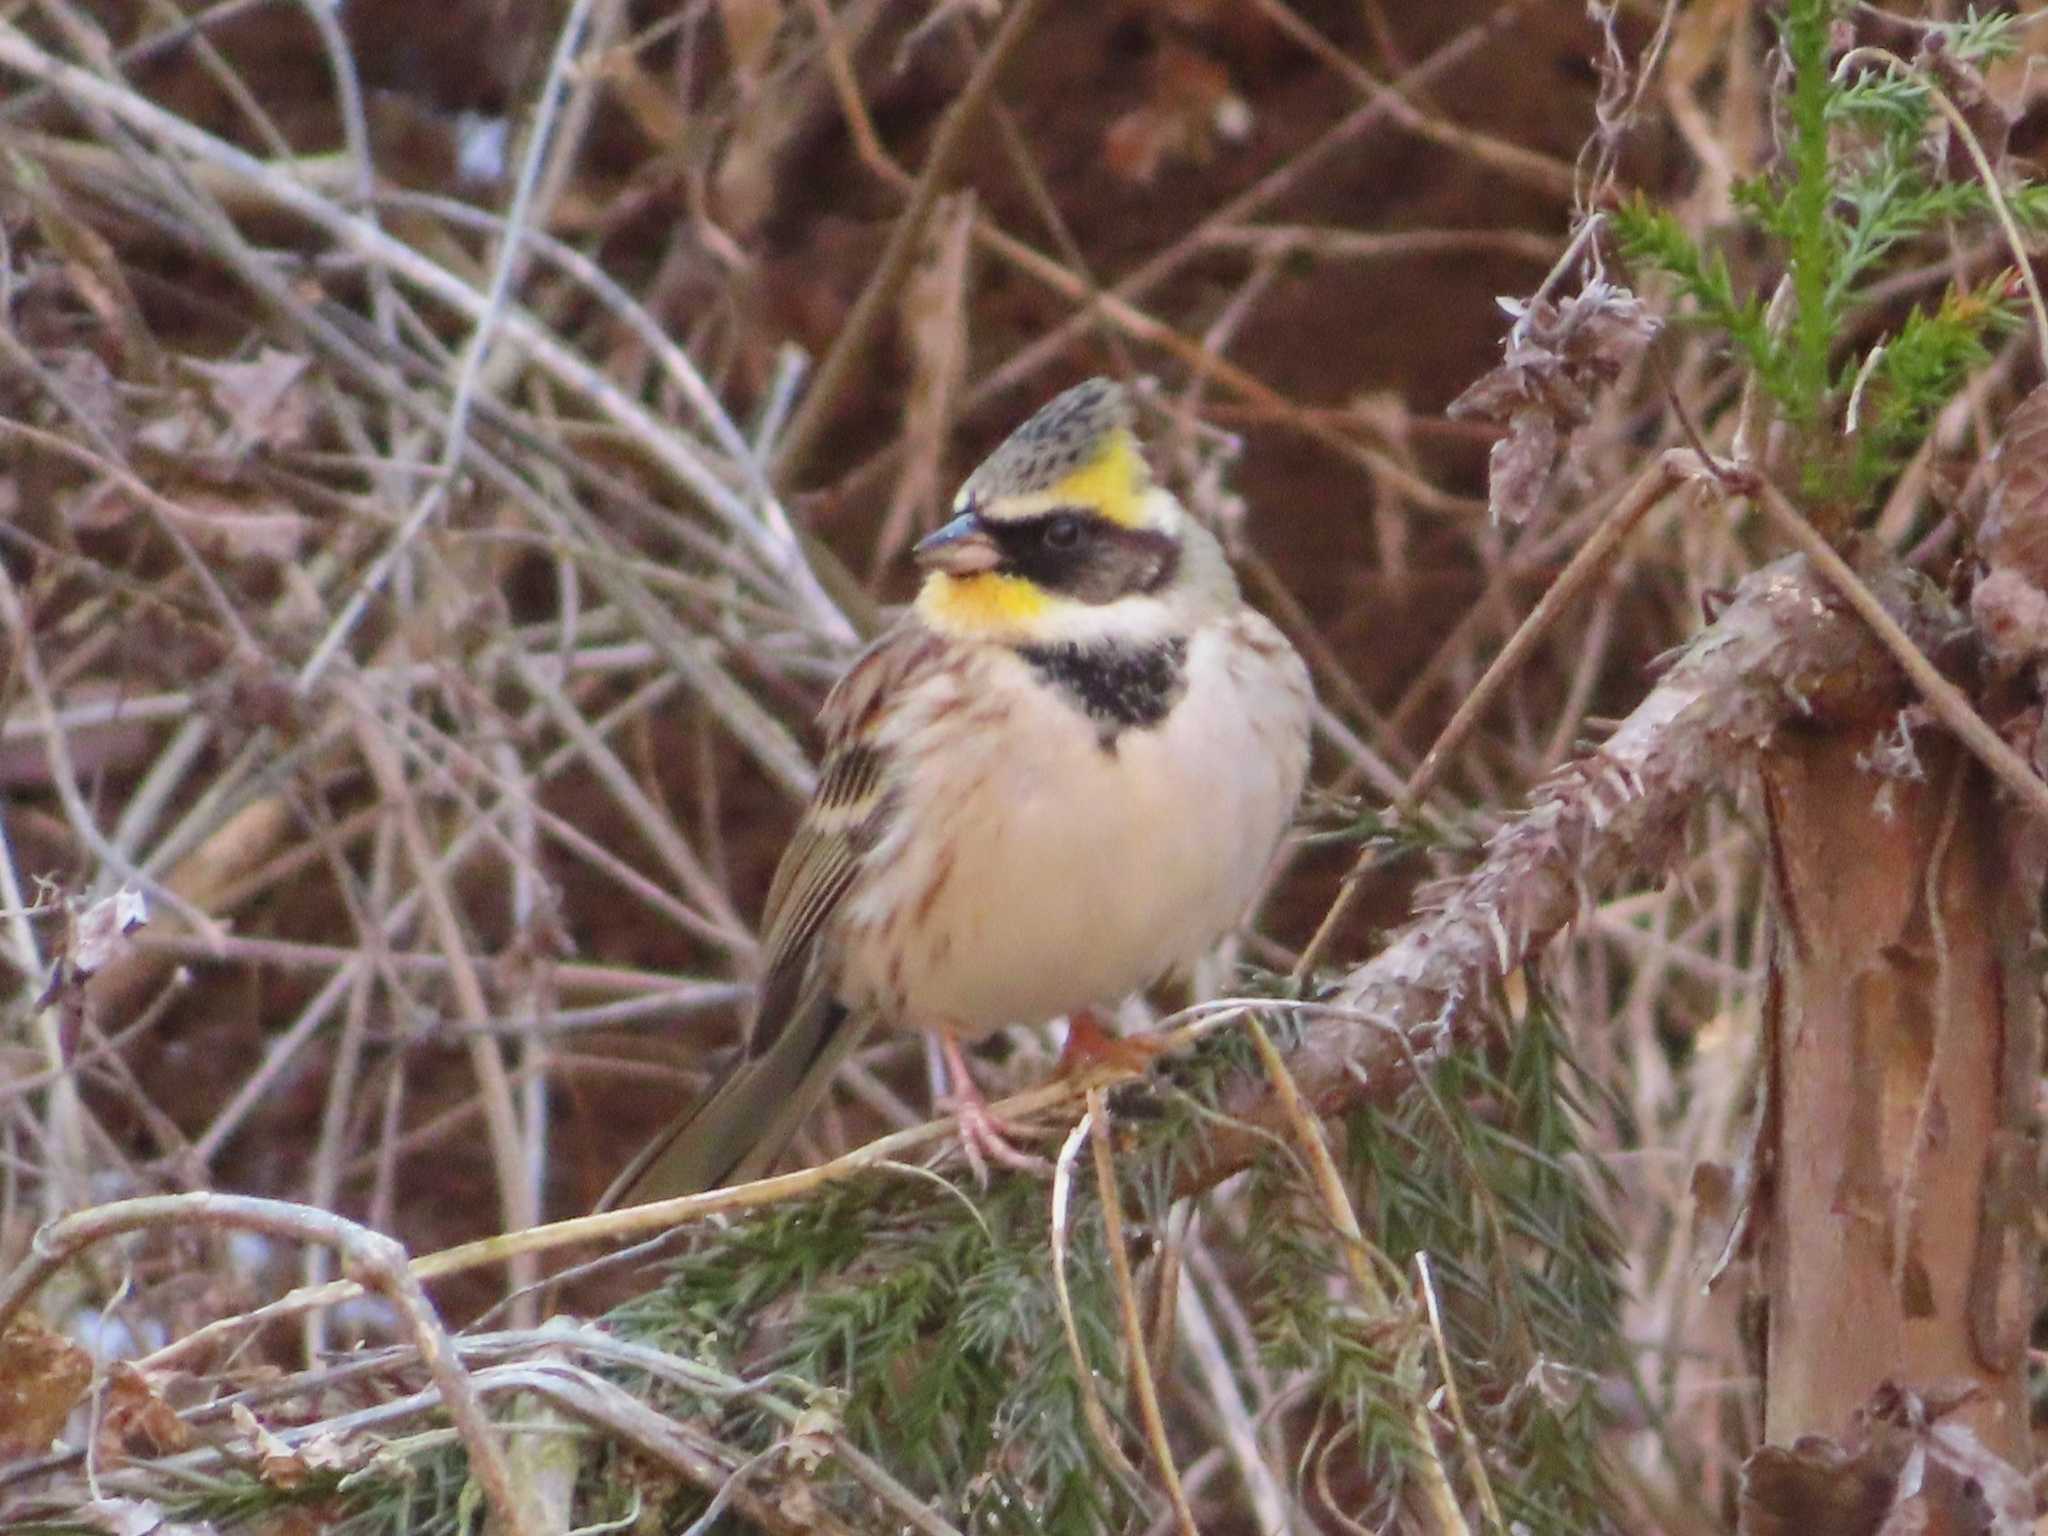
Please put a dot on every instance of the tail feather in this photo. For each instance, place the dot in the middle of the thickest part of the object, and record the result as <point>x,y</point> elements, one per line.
<point>738,1130</point>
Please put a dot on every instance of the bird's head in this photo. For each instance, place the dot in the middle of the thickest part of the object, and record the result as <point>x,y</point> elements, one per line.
<point>1062,535</point>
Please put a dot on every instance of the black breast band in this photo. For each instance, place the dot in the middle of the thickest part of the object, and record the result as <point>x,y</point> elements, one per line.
<point>1116,686</point>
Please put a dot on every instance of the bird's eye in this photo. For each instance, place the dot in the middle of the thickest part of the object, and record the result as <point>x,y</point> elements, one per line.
<point>1063,532</point>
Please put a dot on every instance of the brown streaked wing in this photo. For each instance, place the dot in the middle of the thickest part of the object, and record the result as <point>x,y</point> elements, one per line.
<point>840,824</point>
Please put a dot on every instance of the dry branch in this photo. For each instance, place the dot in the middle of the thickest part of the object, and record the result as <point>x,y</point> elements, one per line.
<point>1784,652</point>
<point>380,1261</point>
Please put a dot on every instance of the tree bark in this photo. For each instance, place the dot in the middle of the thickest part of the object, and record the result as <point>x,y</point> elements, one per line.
<point>1896,1202</point>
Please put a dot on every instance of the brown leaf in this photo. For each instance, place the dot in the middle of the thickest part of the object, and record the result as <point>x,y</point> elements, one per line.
<point>284,1466</point>
<point>99,508</point>
<point>808,1446</point>
<point>648,99</point>
<point>1813,1488</point>
<point>1713,1190</point>
<point>89,389</point>
<point>746,181</point>
<point>1518,468</point>
<point>265,400</point>
<point>1557,358</point>
<point>2011,614</point>
<point>42,1377</point>
<point>136,1421</point>
<point>1971,1487</point>
<point>328,1452</point>
<point>92,268</point>
<point>809,1442</point>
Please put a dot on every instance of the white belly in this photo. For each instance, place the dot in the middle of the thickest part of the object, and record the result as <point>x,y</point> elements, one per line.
<point>1073,875</point>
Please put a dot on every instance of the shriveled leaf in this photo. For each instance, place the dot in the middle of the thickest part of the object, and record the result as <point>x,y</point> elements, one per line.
<point>265,399</point>
<point>328,1452</point>
<point>1968,1486</point>
<point>92,269</point>
<point>228,529</point>
<point>810,1437</point>
<point>100,932</point>
<point>745,183</point>
<point>2011,614</point>
<point>176,429</point>
<point>647,98</point>
<point>284,1466</point>
<point>1812,1488</point>
<point>809,1445</point>
<point>1518,469</point>
<point>136,1421</point>
<point>90,393</point>
<point>1990,121</point>
<point>1558,356</point>
<point>42,1376</point>
<point>99,508</point>
<point>104,745</point>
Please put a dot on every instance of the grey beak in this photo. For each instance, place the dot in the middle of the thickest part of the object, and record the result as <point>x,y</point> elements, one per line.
<point>963,547</point>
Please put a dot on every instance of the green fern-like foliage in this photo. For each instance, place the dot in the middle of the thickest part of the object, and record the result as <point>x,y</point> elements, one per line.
<point>1483,1176</point>
<point>927,1321</point>
<point>1858,181</point>
<point>923,1315</point>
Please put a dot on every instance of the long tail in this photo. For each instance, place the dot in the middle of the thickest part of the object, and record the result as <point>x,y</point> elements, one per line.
<point>738,1129</point>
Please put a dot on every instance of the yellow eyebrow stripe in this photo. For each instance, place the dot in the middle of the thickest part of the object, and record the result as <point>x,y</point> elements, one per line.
<point>1112,483</point>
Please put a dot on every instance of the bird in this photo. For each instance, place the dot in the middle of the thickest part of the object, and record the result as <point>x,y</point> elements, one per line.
<point>1061,776</point>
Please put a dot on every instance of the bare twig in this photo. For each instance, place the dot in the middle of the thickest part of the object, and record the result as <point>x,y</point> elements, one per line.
<point>379,1260</point>
<point>1587,565</point>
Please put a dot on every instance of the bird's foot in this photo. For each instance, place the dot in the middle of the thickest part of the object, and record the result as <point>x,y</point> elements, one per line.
<point>1089,1046</point>
<point>985,1137</point>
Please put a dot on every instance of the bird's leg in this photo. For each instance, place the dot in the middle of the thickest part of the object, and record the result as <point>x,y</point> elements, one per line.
<point>984,1136</point>
<point>1090,1046</point>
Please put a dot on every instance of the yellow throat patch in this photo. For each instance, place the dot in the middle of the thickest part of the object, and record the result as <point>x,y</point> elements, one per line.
<point>987,603</point>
